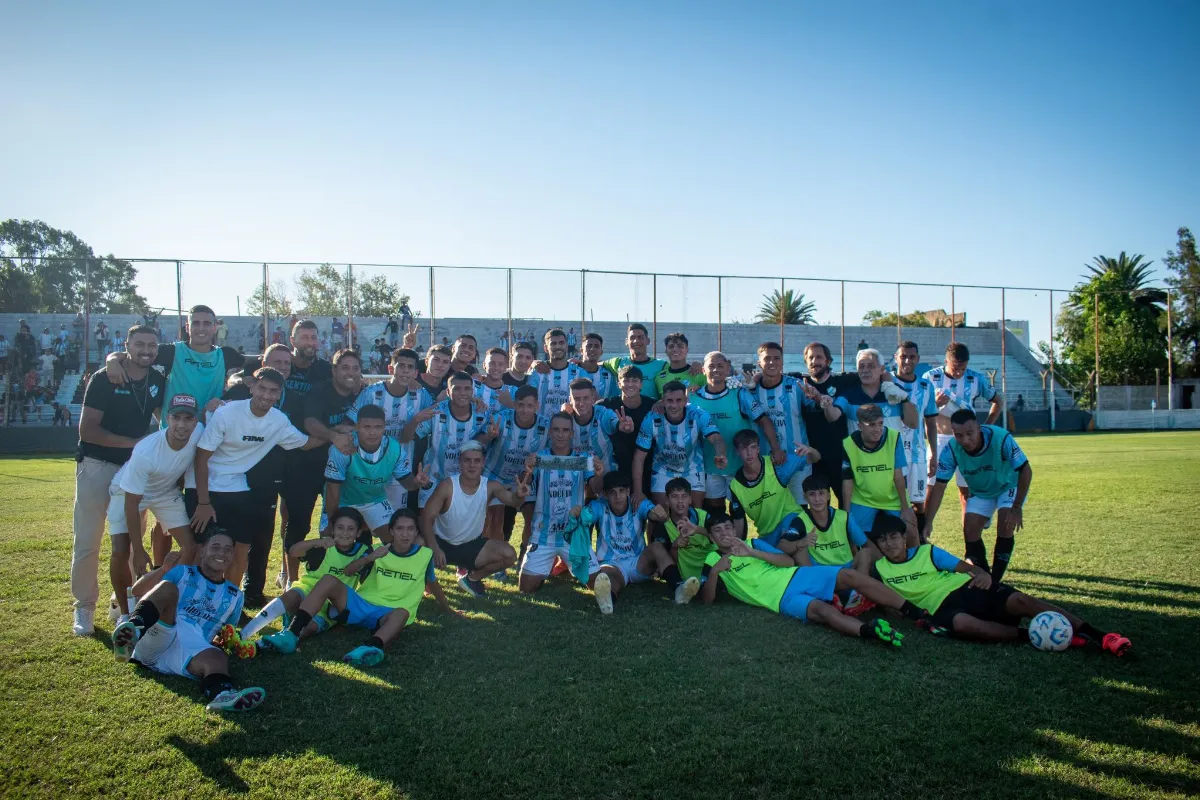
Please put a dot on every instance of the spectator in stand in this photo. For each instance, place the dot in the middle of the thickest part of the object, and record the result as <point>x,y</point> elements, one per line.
<point>102,340</point>
<point>77,327</point>
<point>222,332</point>
<point>63,333</point>
<point>336,334</point>
<point>25,347</point>
<point>277,334</point>
<point>118,342</point>
<point>45,341</point>
<point>1020,403</point>
<point>406,316</point>
<point>323,346</point>
<point>46,368</point>
<point>391,330</point>
<point>4,348</point>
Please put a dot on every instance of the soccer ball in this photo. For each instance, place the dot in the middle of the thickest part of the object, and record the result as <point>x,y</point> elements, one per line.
<point>1050,632</point>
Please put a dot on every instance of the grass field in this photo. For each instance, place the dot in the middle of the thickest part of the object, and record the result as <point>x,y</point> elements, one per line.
<point>543,698</point>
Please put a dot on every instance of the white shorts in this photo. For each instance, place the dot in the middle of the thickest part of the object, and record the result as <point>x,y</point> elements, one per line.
<point>987,506</point>
<point>539,559</point>
<point>375,514</point>
<point>629,570</point>
<point>170,648</point>
<point>169,511</point>
<point>397,495</point>
<point>717,486</point>
<point>942,439</point>
<point>659,480</point>
<point>918,482</point>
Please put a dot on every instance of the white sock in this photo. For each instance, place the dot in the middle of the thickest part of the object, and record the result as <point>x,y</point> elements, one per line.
<point>271,612</point>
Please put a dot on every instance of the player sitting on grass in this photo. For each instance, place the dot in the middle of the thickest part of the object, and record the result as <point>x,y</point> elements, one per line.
<point>759,491</point>
<point>172,628</point>
<point>839,542</point>
<point>329,555</point>
<point>961,597</point>
<point>763,576</point>
<point>682,534</point>
<point>393,579</point>
<point>621,545</point>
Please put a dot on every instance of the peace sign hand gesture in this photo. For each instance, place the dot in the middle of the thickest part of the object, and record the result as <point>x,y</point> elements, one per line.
<point>626,423</point>
<point>410,336</point>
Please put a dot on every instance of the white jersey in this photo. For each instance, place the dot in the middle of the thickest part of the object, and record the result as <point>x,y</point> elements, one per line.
<point>556,492</point>
<point>397,411</point>
<point>595,438</point>
<point>154,469</point>
<point>506,455</point>
<point>922,395</point>
<point>604,381</point>
<point>491,397</point>
<point>783,404</point>
<point>962,391</point>
<point>238,440</point>
<point>554,388</point>
<point>618,538</point>
<point>463,521</point>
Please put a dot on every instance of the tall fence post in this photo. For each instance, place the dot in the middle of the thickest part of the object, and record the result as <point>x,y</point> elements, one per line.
<point>842,365</point>
<point>350,306</point>
<point>953,324</point>
<point>432,310</point>
<point>582,307</point>
<point>654,313</point>
<point>266,279</point>
<point>1003,359</point>
<point>720,336</point>
<point>179,297</point>
<point>510,327</point>
<point>782,316</point>
<point>1170,359</point>
<point>1053,410</point>
<point>899,319</point>
<point>1096,337</point>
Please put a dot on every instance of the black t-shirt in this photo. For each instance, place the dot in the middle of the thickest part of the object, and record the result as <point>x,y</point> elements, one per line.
<point>128,411</point>
<point>166,357</point>
<point>326,405</point>
<point>302,379</point>
<point>623,443</point>
<point>509,380</point>
<point>824,435</point>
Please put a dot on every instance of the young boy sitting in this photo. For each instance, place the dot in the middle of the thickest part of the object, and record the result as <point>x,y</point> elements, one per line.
<point>329,555</point>
<point>961,597</point>
<point>393,579</point>
<point>764,576</point>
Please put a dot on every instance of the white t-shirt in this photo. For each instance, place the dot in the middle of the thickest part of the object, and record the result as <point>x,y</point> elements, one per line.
<point>239,440</point>
<point>154,467</point>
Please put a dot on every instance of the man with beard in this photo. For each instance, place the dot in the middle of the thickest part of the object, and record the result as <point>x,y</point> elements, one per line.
<point>553,377</point>
<point>447,426</point>
<point>825,435</point>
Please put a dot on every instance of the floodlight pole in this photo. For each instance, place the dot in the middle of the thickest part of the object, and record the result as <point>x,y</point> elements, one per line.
<point>1004,359</point>
<point>1052,401</point>
<point>1170,358</point>
<point>179,297</point>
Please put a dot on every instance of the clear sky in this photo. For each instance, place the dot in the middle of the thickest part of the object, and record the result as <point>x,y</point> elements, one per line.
<point>982,142</point>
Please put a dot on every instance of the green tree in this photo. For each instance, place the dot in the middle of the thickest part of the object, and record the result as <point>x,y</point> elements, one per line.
<point>1132,339</point>
<point>1184,281</point>
<point>792,308</point>
<point>377,297</point>
<point>879,319</point>
<point>279,306</point>
<point>321,292</point>
<point>47,271</point>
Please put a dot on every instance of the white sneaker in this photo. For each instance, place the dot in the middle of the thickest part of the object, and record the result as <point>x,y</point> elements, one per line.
<point>603,590</point>
<point>234,700</point>
<point>685,591</point>
<point>85,623</point>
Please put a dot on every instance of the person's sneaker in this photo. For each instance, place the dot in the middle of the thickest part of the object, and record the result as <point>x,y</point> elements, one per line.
<point>238,700</point>
<point>473,588</point>
<point>1079,641</point>
<point>285,641</point>
<point>925,622</point>
<point>501,576</point>
<point>124,639</point>
<point>603,591</point>
<point>364,656</point>
<point>1116,644</point>
<point>837,603</point>
<point>460,572</point>
<point>858,605</point>
<point>114,610</point>
<point>884,632</point>
<point>685,591</point>
<point>226,635</point>
<point>85,623</point>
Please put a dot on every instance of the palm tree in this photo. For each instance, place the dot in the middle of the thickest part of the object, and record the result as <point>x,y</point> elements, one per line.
<point>792,308</point>
<point>1129,274</point>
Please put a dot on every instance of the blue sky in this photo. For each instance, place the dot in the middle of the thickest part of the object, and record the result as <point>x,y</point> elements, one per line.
<point>981,142</point>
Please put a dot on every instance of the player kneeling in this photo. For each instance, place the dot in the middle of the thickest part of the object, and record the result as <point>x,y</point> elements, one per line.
<point>171,629</point>
<point>329,555</point>
<point>961,597</point>
<point>393,579</point>
<point>764,576</point>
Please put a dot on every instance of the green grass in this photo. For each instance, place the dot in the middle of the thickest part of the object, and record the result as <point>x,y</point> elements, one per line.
<point>543,698</point>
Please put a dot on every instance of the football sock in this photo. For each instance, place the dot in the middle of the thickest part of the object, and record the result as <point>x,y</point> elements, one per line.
<point>977,553</point>
<point>1087,630</point>
<point>867,630</point>
<point>910,611</point>
<point>215,683</point>
<point>300,621</point>
<point>374,641</point>
<point>1022,634</point>
<point>271,612</point>
<point>921,525</point>
<point>145,614</point>
<point>672,577</point>
<point>1001,555</point>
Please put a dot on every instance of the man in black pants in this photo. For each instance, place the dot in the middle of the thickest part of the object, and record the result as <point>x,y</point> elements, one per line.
<point>824,435</point>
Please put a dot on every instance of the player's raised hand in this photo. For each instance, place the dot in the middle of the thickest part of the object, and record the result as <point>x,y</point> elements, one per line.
<point>541,367</point>
<point>811,392</point>
<point>686,528</point>
<point>410,336</point>
<point>739,548</point>
<point>493,431</point>
<point>942,398</point>
<point>658,514</point>
<point>530,463</point>
<point>778,457</point>
<point>521,490</point>
<point>425,414</point>
<point>380,552</point>
<point>598,468</point>
<point>204,515</point>
<point>343,442</point>
<point>325,542</point>
<point>626,423</point>
<point>421,477</point>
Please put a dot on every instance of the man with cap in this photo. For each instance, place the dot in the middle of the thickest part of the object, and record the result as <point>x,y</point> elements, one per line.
<point>148,482</point>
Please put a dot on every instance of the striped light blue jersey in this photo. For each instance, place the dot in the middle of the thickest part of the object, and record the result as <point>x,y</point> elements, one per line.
<point>783,404</point>
<point>397,411</point>
<point>853,398</point>
<point>963,390</point>
<point>491,397</point>
<point>678,446</point>
<point>446,435</point>
<point>604,381</point>
<point>618,538</point>
<point>922,395</point>
<point>203,604</point>
<point>554,388</point>
<point>506,455</point>
<point>365,476</point>
<point>556,492</point>
<point>593,439</point>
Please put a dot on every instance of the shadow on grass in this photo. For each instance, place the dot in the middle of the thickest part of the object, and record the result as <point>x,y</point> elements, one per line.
<point>1157,586</point>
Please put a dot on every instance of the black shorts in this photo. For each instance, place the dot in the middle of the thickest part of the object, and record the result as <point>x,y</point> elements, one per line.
<point>244,515</point>
<point>984,604</point>
<point>510,521</point>
<point>462,555</point>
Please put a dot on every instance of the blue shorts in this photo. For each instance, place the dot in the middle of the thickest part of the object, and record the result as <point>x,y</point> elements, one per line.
<point>865,515</point>
<point>360,613</point>
<point>774,536</point>
<point>807,585</point>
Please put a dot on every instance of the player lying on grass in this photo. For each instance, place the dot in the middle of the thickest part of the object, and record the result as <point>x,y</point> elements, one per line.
<point>621,545</point>
<point>171,629</point>
<point>962,598</point>
<point>393,579</point>
<point>330,555</point>
<point>763,576</point>
<point>997,476</point>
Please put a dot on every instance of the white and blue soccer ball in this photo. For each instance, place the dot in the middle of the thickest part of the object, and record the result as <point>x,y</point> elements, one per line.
<point>1050,632</point>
